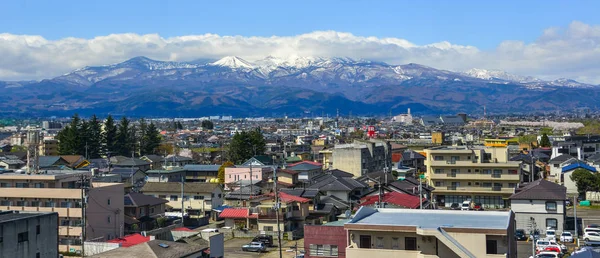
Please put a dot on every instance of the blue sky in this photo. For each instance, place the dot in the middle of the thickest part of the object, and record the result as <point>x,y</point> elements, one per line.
<point>483,24</point>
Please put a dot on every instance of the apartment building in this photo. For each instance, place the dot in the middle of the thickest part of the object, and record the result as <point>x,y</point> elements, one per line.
<point>28,234</point>
<point>60,191</point>
<point>408,233</point>
<point>198,198</point>
<point>482,174</point>
<point>361,158</point>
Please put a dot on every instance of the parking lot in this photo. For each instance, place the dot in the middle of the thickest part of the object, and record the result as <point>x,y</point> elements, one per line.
<point>233,248</point>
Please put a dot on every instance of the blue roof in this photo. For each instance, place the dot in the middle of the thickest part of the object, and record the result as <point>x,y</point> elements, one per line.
<point>201,167</point>
<point>221,208</point>
<point>578,165</point>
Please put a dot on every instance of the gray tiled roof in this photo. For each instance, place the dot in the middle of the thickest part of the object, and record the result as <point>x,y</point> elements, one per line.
<point>541,190</point>
<point>138,199</point>
<point>560,159</point>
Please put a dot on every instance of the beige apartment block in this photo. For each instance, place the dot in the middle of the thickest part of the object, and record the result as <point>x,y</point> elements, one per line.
<point>61,192</point>
<point>483,175</point>
<point>407,233</point>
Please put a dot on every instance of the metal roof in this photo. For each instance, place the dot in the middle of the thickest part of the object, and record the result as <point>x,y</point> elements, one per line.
<point>433,219</point>
<point>190,167</point>
<point>578,165</point>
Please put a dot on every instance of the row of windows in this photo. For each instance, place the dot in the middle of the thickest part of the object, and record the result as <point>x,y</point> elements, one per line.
<point>480,171</point>
<point>23,185</point>
<point>237,177</point>
<point>41,204</point>
<point>186,197</point>
<point>323,250</point>
<point>477,184</point>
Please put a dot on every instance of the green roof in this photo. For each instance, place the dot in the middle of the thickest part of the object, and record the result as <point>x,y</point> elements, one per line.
<point>293,159</point>
<point>163,171</point>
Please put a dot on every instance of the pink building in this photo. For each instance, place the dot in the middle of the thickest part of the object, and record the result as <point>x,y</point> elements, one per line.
<point>245,174</point>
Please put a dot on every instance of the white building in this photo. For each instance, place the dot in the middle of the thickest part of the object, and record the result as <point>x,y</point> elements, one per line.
<point>539,205</point>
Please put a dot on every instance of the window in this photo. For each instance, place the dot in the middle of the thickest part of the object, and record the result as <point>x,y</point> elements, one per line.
<point>220,195</point>
<point>35,204</point>
<point>49,204</point>
<point>295,208</point>
<point>65,204</point>
<point>65,222</point>
<point>162,196</point>
<point>438,157</point>
<point>486,184</point>
<point>513,171</point>
<point>21,203</point>
<point>267,228</point>
<point>551,206</point>
<point>212,195</point>
<point>173,198</point>
<point>4,185</point>
<point>395,243</point>
<point>23,236</point>
<point>22,185</point>
<point>410,243</point>
<point>37,255</point>
<point>186,198</point>
<point>379,242</point>
<point>491,246</point>
<point>486,171</point>
<point>319,250</point>
<point>512,185</point>
<point>108,219</point>
<point>438,183</point>
<point>455,158</point>
<point>152,210</point>
<point>108,201</point>
<point>37,229</point>
<point>38,185</point>
<point>5,203</point>
<point>454,171</point>
<point>229,176</point>
<point>198,197</point>
<point>469,183</point>
<point>438,171</point>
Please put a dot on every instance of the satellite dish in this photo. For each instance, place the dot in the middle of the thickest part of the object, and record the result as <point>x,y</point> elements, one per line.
<point>348,213</point>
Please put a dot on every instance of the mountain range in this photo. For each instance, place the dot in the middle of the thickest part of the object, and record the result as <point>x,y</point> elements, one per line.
<point>294,86</point>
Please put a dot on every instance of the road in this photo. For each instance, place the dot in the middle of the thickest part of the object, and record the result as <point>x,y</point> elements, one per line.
<point>233,248</point>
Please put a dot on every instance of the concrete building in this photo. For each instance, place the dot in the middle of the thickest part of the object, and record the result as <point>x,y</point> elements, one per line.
<point>539,205</point>
<point>49,147</point>
<point>406,119</point>
<point>61,192</point>
<point>198,198</point>
<point>482,175</point>
<point>384,233</point>
<point>360,158</point>
<point>28,234</point>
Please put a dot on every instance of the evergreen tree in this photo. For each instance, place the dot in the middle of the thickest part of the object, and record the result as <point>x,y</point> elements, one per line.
<point>109,136</point>
<point>94,138</point>
<point>124,138</point>
<point>245,145</point>
<point>83,132</point>
<point>69,138</point>
<point>151,139</point>
<point>142,137</point>
<point>207,124</point>
<point>545,141</point>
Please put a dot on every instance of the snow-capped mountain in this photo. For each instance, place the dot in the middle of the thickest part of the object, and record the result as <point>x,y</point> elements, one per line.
<point>499,75</point>
<point>291,84</point>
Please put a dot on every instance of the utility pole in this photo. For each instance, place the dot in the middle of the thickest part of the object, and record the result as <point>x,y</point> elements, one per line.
<point>251,187</point>
<point>277,211</point>
<point>182,200</point>
<point>575,215</point>
<point>420,193</point>
<point>83,212</point>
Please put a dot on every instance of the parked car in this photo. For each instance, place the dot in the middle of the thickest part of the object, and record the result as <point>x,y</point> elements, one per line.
<point>265,239</point>
<point>209,230</point>
<point>566,237</point>
<point>254,247</point>
<point>551,234</point>
<point>520,235</point>
<point>547,255</point>
<point>593,226</point>
<point>541,244</point>
<point>591,237</point>
<point>455,206</point>
<point>466,205</point>
<point>553,248</point>
<point>478,207</point>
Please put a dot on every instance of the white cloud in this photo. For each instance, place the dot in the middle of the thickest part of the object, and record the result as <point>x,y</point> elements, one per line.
<point>571,52</point>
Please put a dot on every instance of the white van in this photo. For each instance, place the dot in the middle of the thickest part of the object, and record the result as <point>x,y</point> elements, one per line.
<point>466,205</point>
<point>586,230</point>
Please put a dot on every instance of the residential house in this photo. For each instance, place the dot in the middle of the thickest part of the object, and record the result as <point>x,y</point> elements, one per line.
<point>178,161</point>
<point>60,191</point>
<point>395,200</point>
<point>327,240</point>
<point>412,159</point>
<point>156,161</point>
<point>75,161</point>
<point>483,175</point>
<point>378,233</point>
<point>339,185</point>
<point>539,205</point>
<point>239,218</point>
<point>158,249</point>
<point>306,169</point>
<point>166,175</point>
<point>557,163</point>
<point>233,175</point>
<point>11,163</point>
<point>129,162</point>
<point>293,212</point>
<point>52,162</point>
<point>287,177</point>
<point>319,211</point>
<point>201,173</point>
<point>198,198</point>
<point>565,178</point>
<point>133,176</point>
<point>360,158</point>
<point>577,146</point>
<point>142,211</point>
<point>240,196</point>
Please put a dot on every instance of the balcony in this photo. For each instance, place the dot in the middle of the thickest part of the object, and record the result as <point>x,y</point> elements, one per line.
<point>62,212</point>
<point>269,215</point>
<point>472,164</point>
<point>476,176</point>
<point>354,252</point>
<point>69,231</point>
<point>468,189</point>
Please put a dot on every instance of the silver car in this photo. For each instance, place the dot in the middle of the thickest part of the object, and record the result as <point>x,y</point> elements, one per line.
<point>254,247</point>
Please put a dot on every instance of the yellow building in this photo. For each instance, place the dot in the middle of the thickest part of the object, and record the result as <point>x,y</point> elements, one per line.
<point>437,137</point>
<point>327,158</point>
<point>60,191</point>
<point>483,175</point>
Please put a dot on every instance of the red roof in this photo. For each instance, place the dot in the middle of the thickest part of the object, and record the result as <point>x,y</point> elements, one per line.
<point>237,213</point>
<point>182,229</point>
<point>396,157</point>
<point>130,240</point>
<point>307,162</point>
<point>394,198</point>
<point>291,198</point>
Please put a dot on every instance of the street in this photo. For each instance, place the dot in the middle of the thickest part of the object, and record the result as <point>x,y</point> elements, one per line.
<point>233,248</point>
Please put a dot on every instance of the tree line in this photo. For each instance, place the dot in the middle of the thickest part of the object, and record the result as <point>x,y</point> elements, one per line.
<point>95,138</point>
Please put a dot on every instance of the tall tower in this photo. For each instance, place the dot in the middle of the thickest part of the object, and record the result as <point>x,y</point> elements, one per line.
<point>32,144</point>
